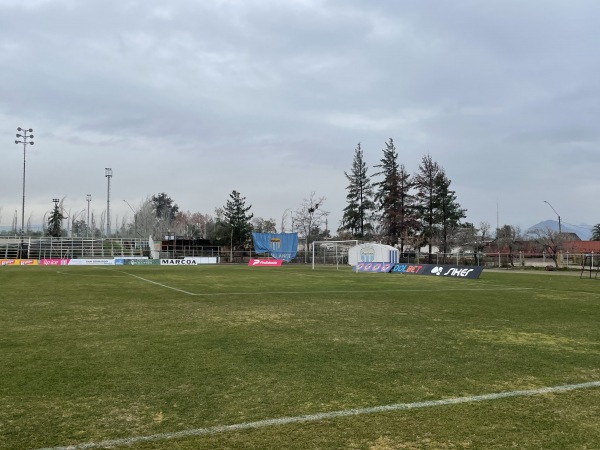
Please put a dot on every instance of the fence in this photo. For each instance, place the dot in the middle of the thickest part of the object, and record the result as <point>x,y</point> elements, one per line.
<point>16,247</point>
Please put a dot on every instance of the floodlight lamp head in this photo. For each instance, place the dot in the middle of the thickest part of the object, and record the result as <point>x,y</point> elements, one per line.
<point>16,142</point>
<point>32,142</point>
<point>31,136</point>
<point>18,135</point>
<point>18,128</point>
<point>30,130</point>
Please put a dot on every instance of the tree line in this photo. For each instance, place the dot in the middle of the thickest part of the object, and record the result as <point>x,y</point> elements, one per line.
<point>399,208</point>
<point>394,206</point>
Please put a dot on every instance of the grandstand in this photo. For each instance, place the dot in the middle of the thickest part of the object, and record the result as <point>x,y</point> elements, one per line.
<point>15,247</point>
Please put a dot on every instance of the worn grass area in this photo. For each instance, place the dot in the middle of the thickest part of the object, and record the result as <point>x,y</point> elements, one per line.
<point>92,353</point>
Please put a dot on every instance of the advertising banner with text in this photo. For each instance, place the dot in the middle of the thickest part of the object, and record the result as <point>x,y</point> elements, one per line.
<point>189,261</point>
<point>18,262</point>
<point>265,262</point>
<point>444,270</point>
<point>139,262</point>
<point>373,266</point>
<point>54,262</point>
<point>91,262</point>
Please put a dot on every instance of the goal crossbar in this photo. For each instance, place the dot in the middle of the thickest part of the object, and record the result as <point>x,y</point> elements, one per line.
<point>336,244</point>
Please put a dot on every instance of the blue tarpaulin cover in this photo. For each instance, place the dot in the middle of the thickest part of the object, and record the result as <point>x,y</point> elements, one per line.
<point>279,246</point>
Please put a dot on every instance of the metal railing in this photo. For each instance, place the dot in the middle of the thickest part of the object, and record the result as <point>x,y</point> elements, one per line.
<point>16,247</point>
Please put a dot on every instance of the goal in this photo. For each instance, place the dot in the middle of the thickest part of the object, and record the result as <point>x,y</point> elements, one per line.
<point>331,252</point>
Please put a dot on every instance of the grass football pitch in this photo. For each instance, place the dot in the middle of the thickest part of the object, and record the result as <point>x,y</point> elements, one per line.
<point>218,357</point>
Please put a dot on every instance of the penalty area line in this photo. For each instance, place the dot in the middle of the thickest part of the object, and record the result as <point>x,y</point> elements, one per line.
<point>323,416</point>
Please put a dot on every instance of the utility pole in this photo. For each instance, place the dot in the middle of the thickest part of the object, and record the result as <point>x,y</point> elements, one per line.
<point>558,215</point>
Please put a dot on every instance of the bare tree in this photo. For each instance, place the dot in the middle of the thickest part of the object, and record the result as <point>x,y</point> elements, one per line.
<point>507,238</point>
<point>261,225</point>
<point>309,217</point>
<point>550,240</point>
<point>473,239</point>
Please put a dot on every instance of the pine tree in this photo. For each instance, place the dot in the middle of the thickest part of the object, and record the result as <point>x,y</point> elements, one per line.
<point>426,183</point>
<point>357,216</point>
<point>596,232</point>
<point>395,203</point>
<point>55,221</point>
<point>408,220</point>
<point>237,219</point>
<point>450,213</point>
<point>387,194</point>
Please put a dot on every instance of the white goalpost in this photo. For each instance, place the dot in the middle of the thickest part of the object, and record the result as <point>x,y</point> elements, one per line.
<point>332,251</point>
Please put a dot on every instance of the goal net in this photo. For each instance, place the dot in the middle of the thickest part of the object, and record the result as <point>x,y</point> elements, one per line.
<point>331,252</point>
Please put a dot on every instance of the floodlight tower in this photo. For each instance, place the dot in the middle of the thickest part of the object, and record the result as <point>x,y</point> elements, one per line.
<point>108,174</point>
<point>25,142</point>
<point>88,199</point>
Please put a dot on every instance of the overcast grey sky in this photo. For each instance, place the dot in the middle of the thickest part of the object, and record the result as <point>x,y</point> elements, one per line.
<point>271,97</point>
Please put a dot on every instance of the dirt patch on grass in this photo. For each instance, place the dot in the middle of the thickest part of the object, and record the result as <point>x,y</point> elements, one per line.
<point>251,317</point>
<point>541,340</point>
<point>387,443</point>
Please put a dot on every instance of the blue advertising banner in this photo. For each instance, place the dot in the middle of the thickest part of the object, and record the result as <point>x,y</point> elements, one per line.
<point>373,266</point>
<point>444,270</point>
<point>279,246</point>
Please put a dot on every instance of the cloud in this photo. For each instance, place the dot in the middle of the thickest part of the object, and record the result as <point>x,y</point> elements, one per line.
<point>271,97</point>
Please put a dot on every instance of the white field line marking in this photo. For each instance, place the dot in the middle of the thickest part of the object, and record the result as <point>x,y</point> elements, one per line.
<point>322,416</point>
<point>356,291</point>
<point>157,283</point>
<point>308,292</point>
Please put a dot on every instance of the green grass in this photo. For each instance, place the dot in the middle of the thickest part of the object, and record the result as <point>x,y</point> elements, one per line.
<point>89,354</point>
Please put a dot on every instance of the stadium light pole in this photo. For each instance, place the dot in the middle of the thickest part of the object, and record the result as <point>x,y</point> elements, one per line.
<point>108,174</point>
<point>558,215</point>
<point>25,143</point>
<point>88,199</point>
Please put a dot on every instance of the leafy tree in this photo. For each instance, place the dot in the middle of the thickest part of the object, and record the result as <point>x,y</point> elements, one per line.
<point>358,213</point>
<point>427,184</point>
<point>164,207</point>
<point>449,211</point>
<point>220,233</point>
<point>596,232</point>
<point>55,221</point>
<point>237,219</point>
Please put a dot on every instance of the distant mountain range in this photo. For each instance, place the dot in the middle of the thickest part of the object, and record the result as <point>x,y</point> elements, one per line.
<point>583,231</point>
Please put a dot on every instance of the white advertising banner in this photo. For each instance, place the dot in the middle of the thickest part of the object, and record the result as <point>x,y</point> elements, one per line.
<point>190,261</point>
<point>91,262</point>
